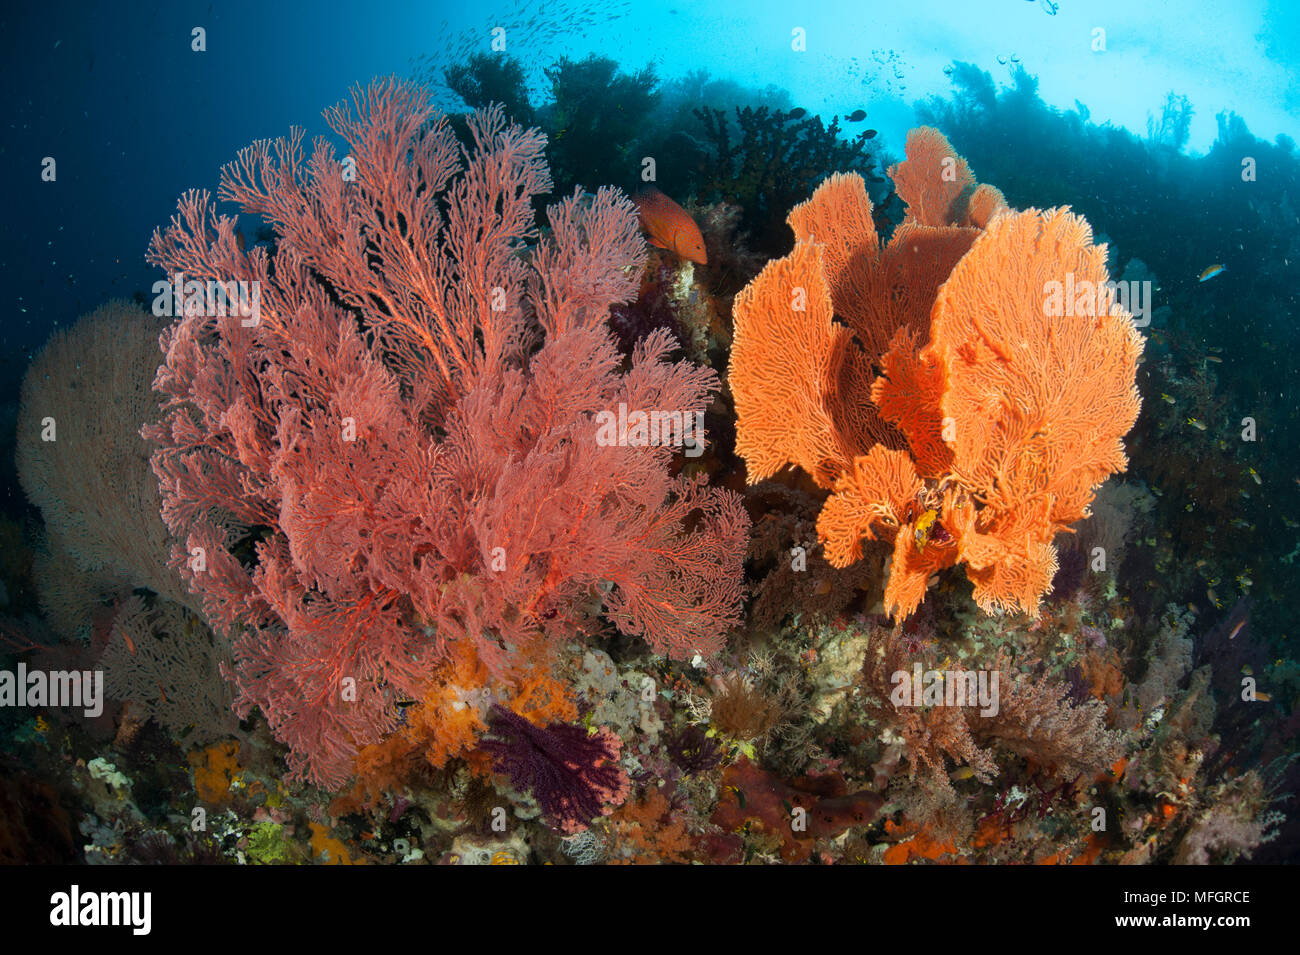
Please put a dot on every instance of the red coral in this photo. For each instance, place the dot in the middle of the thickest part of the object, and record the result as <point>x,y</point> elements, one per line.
<point>388,456</point>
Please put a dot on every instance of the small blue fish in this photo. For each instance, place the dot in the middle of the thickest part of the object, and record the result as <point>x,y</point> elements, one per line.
<point>1211,272</point>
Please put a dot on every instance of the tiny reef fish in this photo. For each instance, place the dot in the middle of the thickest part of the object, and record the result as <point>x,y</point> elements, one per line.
<point>1211,272</point>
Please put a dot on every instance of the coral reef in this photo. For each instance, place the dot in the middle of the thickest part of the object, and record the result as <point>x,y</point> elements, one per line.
<point>408,535</point>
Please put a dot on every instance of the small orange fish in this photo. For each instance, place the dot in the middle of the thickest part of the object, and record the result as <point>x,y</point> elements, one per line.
<point>669,226</point>
<point>1211,272</point>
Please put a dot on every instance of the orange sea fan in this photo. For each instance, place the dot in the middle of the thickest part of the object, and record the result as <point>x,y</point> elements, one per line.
<point>985,202</point>
<point>911,568</point>
<point>1038,391</point>
<point>917,260</point>
<point>1039,402</point>
<point>838,217</point>
<point>1006,378</point>
<point>938,187</point>
<point>932,180</point>
<point>1008,556</point>
<point>908,393</point>
<point>870,502</point>
<point>782,368</point>
<point>876,290</point>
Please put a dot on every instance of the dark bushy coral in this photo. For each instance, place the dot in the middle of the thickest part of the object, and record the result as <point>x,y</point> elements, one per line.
<point>776,161</point>
<point>597,113</point>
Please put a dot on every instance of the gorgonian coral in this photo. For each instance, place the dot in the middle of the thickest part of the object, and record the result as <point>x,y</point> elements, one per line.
<point>574,775</point>
<point>397,447</point>
<point>976,393</point>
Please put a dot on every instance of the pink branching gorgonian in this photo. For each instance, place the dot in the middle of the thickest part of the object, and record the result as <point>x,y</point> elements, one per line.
<point>398,448</point>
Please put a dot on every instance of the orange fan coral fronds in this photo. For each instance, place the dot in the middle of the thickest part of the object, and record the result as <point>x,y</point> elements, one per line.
<point>1008,555</point>
<point>883,498</point>
<point>781,367</point>
<point>870,502</point>
<point>938,187</point>
<point>1006,378</point>
<point>932,180</point>
<point>876,290</point>
<point>914,562</point>
<point>1040,388</point>
<point>985,202</point>
<point>838,218</point>
<point>1039,367</point>
<point>1016,581</point>
<point>908,394</point>
<point>917,260</point>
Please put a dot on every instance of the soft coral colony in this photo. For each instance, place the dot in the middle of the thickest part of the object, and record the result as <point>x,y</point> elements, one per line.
<point>388,487</point>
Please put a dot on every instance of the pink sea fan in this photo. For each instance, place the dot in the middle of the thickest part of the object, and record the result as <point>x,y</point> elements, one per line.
<point>399,449</point>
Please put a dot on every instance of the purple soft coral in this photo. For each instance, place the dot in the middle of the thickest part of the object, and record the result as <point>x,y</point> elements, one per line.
<point>574,775</point>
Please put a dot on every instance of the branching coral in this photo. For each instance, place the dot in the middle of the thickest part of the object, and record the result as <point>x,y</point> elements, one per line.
<point>1033,719</point>
<point>397,450</point>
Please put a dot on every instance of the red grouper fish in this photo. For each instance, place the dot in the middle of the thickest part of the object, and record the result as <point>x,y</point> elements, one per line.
<point>669,226</point>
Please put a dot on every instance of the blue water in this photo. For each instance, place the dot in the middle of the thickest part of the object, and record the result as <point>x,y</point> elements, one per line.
<point>133,116</point>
